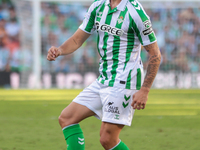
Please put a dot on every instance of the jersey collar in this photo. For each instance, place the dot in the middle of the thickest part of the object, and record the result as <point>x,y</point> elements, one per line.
<point>121,6</point>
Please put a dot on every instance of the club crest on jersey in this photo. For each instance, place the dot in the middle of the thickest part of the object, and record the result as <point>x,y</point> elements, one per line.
<point>120,20</point>
<point>109,29</point>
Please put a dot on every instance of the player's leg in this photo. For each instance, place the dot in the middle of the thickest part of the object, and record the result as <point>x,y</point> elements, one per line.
<point>69,119</point>
<point>86,104</point>
<point>73,114</point>
<point>117,112</point>
<point>109,137</point>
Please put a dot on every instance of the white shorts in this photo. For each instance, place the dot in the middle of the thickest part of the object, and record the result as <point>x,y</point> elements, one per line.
<point>110,104</point>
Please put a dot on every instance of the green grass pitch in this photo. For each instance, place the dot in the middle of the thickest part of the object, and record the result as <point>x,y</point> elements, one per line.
<point>29,121</point>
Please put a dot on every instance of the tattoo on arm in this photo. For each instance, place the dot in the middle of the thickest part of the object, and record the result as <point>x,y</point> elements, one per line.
<point>151,47</point>
<point>153,65</point>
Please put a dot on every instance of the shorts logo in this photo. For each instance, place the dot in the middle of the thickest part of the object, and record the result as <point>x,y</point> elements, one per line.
<point>125,103</point>
<point>111,109</point>
<point>109,29</point>
<point>116,117</point>
<point>148,27</point>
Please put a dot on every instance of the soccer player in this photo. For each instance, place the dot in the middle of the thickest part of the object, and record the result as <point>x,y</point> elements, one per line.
<point>122,27</point>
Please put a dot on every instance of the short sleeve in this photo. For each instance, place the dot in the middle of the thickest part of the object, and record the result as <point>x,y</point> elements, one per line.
<point>142,25</point>
<point>88,24</point>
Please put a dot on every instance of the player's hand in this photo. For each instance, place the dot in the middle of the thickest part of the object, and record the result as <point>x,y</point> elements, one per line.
<point>53,53</point>
<point>140,98</point>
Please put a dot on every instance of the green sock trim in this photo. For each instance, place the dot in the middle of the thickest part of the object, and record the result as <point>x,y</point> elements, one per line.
<point>74,137</point>
<point>71,130</point>
<point>120,146</point>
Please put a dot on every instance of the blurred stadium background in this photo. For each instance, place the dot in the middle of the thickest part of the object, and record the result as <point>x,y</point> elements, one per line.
<point>28,28</point>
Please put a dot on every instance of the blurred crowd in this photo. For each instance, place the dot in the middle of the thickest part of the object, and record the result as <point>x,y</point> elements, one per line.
<point>177,30</point>
<point>9,38</point>
<point>59,22</point>
<point>178,36</point>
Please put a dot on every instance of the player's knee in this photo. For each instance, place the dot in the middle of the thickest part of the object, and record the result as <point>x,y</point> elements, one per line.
<point>65,121</point>
<point>60,120</point>
<point>105,142</point>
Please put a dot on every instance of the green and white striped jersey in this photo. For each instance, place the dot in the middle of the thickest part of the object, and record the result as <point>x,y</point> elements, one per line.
<point>121,31</point>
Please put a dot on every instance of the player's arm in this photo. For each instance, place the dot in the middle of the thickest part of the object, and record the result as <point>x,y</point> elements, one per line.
<point>79,37</point>
<point>140,98</point>
<point>69,46</point>
<point>153,65</point>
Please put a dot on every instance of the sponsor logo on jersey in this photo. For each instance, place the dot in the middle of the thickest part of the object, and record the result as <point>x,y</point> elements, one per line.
<point>111,108</point>
<point>109,29</point>
<point>148,27</point>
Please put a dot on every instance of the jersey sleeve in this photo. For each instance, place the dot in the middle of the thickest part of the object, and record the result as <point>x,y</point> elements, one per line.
<point>88,24</point>
<point>142,25</point>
